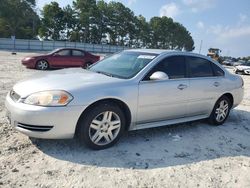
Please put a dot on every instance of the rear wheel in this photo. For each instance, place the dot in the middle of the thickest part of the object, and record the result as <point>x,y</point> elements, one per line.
<point>86,65</point>
<point>221,111</point>
<point>102,126</point>
<point>42,65</point>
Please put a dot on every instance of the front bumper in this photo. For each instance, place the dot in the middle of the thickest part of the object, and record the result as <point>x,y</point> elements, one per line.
<point>43,122</point>
<point>29,63</point>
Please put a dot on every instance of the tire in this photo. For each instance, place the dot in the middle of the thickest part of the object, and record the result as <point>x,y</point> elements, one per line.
<point>220,111</point>
<point>101,126</point>
<point>85,66</point>
<point>42,65</point>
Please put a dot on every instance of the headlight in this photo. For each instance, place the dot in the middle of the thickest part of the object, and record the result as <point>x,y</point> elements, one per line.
<point>49,98</point>
<point>29,58</point>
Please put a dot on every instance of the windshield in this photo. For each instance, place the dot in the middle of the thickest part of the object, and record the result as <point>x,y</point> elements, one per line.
<point>123,65</point>
<point>53,51</point>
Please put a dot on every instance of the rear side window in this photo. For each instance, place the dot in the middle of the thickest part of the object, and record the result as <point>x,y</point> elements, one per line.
<point>199,67</point>
<point>217,70</point>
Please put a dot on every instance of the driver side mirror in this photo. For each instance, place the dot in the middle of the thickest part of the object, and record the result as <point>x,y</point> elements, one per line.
<point>159,75</point>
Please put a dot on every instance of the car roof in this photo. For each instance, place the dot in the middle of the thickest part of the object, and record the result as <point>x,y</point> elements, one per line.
<point>169,52</point>
<point>154,51</point>
<point>162,51</point>
<point>69,49</point>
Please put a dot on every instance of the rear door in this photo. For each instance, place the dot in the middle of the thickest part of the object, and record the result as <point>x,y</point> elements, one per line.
<point>205,85</point>
<point>77,58</point>
<point>164,99</point>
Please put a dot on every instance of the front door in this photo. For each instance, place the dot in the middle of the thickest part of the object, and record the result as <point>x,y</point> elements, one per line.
<point>61,58</point>
<point>164,99</point>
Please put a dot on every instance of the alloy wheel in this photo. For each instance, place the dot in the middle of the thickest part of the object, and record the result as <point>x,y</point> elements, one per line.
<point>42,65</point>
<point>221,111</point>
<point>104,128</point>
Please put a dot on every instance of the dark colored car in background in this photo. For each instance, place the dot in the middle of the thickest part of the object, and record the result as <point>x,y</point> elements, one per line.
<point>61,58</point>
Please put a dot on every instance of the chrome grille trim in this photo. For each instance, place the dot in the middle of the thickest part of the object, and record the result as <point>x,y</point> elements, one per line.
<point>37,128</point>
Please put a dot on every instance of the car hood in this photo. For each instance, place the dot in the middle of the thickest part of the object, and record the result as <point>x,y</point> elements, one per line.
<point>242,67</point>
<point>36,56</point>
<point>65,79</point>
<point>43,55</point>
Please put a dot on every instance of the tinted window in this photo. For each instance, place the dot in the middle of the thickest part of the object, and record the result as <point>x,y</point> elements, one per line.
<point>77,53</point>
<point>64,53</point>
<point>199,67</point>
<point>217,70</point>
<point>174,67</point>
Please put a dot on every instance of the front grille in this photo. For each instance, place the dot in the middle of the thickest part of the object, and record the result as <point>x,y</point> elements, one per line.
<point>14,96</point>
<point>37,128</point>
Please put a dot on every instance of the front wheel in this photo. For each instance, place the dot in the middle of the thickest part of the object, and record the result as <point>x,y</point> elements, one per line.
<point>42,65</point>
<point>102,126</point>
<point>221,111</point>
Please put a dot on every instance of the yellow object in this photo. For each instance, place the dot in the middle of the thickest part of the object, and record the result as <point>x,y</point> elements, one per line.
<point>214,53</point>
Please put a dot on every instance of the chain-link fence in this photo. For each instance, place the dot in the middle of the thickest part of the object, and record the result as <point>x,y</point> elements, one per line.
<point>36,45</point>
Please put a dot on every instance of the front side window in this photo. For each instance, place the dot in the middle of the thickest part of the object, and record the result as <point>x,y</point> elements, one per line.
<point>63,53</point>
<point>77,53</point>
<point>199,67</point>
<point>124,65</point>
<point>174,67</point>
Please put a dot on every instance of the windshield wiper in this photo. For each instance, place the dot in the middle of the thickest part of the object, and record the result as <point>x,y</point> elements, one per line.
<point>110,75</point>
<point>105,73</point>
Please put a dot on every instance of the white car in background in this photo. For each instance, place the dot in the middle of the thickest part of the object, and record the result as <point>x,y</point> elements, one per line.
<point>243,68</point>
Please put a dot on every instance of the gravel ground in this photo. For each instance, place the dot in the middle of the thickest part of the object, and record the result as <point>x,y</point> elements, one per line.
<point>186,155</point>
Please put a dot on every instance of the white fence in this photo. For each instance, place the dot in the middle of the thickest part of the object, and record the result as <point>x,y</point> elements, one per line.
<point>36,45</point>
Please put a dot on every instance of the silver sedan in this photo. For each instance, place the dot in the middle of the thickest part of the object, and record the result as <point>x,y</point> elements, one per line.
<point>131,90</point>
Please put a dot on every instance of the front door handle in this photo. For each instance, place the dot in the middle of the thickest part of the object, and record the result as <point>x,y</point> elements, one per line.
<point>216,84</point>
<point>182,86</point>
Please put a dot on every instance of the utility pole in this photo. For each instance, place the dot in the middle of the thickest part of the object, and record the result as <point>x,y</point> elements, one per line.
<point>200,47</point>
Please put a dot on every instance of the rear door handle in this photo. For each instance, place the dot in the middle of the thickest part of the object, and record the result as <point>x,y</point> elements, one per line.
<point>216,84</point>
<point>182,86</point>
